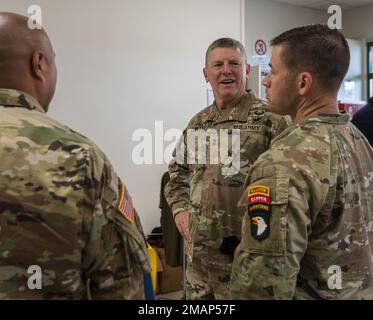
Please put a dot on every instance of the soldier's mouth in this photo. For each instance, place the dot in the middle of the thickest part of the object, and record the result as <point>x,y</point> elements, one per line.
<point>228,81</point>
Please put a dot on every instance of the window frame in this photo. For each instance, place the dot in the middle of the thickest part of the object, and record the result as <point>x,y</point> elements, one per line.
<point>369,67</point>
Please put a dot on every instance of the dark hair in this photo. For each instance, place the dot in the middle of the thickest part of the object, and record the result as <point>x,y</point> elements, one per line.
<point>318,49</point>
<point>370,100</point>
<point>226,43</point>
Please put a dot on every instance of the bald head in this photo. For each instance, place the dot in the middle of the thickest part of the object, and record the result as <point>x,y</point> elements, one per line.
<point>26,58</point>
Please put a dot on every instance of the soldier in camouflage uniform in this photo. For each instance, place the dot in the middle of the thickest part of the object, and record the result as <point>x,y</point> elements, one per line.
<point>203,196</point>
<point>62,206</point>
<point>307,231</point>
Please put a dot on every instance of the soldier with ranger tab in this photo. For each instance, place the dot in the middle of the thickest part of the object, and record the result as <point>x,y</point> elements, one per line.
<point>307,232</point>
<point>62,206</point>
<point>203,196</point>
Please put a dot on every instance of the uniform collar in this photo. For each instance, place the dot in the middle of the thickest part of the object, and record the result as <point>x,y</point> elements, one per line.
<point>17,98</point>
<point>331,118</point>
<point>238,112</point>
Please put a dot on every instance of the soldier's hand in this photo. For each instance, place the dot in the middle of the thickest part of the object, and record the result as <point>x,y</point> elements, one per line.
<point>182,223</point>
<point>237,250</point>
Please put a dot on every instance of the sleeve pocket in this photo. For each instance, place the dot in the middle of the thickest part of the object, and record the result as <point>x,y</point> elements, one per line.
<point>276,237</point>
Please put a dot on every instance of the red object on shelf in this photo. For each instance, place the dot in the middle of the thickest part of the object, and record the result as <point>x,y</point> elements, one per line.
<point>350,108</point>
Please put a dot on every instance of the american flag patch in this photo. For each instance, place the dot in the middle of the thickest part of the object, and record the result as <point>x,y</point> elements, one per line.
<point>125,206</point>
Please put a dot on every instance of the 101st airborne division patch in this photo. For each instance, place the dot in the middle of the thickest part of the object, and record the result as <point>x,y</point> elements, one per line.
<point>259,201</point>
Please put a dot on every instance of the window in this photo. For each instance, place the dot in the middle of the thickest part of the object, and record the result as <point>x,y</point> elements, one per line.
<point>370,68</point>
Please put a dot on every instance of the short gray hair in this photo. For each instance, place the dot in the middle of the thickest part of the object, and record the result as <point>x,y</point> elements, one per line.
<point>226,43</point>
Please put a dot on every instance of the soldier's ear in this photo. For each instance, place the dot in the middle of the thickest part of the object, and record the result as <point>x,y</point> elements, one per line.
<point>304,83</point>
<point>38,65</point>
<point>247,71</point>
<point>205,74</point>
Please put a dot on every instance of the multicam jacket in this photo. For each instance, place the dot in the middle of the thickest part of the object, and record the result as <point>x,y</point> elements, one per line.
<point>62,210</point>
<point>210,194</point>
<point>307,231</point>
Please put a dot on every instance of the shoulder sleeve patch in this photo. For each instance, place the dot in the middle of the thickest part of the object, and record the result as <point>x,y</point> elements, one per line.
<point>125,205</point>
<point>259,201</point>
<point>262,190</point>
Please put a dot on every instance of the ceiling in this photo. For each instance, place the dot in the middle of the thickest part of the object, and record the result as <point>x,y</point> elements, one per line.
<point>323,5</point>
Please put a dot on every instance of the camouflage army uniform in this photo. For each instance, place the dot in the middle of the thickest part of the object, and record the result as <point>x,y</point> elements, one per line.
<point>310,237</point>
<point>59,199</point>
<point>212,197</point>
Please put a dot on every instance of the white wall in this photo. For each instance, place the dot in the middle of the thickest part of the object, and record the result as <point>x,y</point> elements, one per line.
<point>124,64</point>
<point>264,19</point>
<point>358,22</point>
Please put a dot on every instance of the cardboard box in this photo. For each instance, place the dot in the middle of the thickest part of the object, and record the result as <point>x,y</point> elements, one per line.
<point>170,278</point>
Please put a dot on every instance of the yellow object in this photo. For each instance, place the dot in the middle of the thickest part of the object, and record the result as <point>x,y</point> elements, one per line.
<point>153,264</point>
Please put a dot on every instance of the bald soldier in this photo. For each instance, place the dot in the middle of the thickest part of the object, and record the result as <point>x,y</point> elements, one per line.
<point>203,195</point>
<point>307,231</point>
<point>64,212</point>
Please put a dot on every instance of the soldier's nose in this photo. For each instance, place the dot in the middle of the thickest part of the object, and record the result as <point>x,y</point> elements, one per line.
<point>227,69</point>
<point>265,81</point>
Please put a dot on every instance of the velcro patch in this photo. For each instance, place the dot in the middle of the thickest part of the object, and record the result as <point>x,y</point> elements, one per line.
<point>259,199</point>
<point>259,202</point>
<point>125,205</point>
<point>263,190</point>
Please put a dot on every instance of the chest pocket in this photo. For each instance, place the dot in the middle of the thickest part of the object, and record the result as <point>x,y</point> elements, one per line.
<point>263,234</point>
<point>253,142</point>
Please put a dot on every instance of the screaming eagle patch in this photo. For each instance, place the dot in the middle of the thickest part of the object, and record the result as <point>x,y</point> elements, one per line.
<point>259,201</point>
